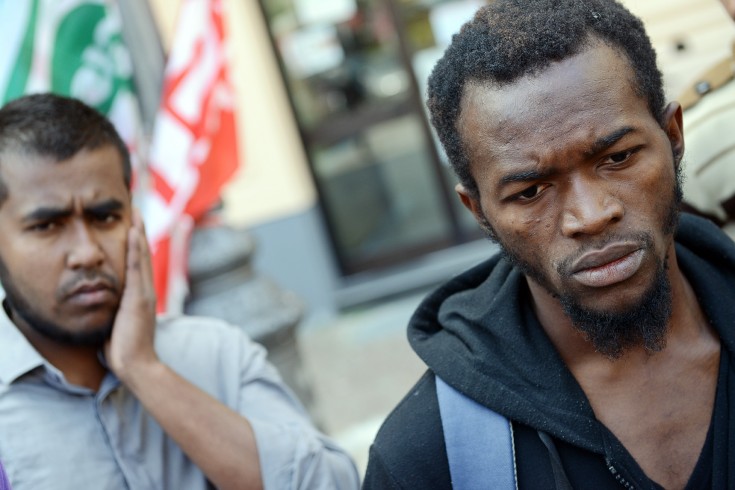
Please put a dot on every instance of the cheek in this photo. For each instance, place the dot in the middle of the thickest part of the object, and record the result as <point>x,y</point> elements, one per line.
<point>527,230</point>
<point>117,253</point>
<point>31,286</point>
<point>534,242</point>
<point>34,265</point>
<point>527,238</point>
<point>655,189</point>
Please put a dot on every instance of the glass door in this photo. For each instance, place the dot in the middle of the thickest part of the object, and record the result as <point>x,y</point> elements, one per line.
<point>354,70</point>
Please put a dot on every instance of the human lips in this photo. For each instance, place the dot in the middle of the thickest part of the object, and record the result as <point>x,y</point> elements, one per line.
<point>91,293</point>
<point>610,265</point>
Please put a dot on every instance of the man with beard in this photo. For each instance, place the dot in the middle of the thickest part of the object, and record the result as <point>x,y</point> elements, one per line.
<point>594,351</point>
<point>95,392</point>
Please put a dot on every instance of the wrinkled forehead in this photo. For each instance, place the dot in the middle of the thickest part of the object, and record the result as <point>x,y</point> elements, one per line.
<point>20,155</point>
<point>597,80</point>
<point>28,174</point>
<point>32,147</point>
<point>21,166</point>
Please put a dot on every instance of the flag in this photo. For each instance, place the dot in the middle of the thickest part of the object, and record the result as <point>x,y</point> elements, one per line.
<point>73,48</point>
<point>193,150</point>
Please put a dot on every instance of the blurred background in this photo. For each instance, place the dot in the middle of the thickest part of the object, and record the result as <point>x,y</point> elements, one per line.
<point>339,212</point>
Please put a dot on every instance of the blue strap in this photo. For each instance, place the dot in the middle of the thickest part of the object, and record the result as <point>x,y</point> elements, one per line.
<point>479,442</point>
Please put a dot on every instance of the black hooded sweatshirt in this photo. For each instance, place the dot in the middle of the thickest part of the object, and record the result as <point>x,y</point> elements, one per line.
<point>480,335</point>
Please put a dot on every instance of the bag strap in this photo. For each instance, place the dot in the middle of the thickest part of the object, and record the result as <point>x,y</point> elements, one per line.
<point>479,442</point>
<point>712,79</point>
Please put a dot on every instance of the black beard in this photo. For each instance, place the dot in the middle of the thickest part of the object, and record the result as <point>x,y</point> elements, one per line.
<point>643,324</point>
<point>53,331</point>
<point>16,303</point>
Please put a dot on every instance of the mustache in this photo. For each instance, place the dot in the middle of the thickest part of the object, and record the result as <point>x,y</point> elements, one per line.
<point>565,267</point>
<point>70,287</point>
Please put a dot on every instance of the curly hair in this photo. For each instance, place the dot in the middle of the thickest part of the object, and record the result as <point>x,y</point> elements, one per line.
<point>510,39</point>
<point>52,125</point>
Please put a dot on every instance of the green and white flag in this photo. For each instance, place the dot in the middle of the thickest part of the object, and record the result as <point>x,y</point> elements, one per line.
<point>73,48</point>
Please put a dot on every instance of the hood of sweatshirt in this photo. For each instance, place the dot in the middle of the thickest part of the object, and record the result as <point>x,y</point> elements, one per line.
<point>479,334</point>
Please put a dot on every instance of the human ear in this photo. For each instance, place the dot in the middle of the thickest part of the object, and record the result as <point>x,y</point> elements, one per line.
<point>468,200</point>
<point>674,128</point>
<point>473,205</point>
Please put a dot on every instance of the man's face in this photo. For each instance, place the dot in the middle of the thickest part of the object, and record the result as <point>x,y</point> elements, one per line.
<point>577,181</point>
<point>63,246</point>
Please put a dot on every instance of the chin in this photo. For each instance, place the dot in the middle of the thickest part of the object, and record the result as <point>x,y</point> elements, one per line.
<point>613,302</point>
<point>623,297</point>
<point>81,332</point>
<point>640,319</point>
<point>90,337</point>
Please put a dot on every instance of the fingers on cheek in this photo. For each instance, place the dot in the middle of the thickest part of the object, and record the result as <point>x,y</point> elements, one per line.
<point>144,267</point>
<point>134,249</point>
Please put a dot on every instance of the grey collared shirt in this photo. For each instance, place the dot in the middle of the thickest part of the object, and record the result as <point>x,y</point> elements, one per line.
<point>55,435</point>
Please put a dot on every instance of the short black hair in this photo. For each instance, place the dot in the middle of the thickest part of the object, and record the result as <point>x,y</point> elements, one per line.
<point>56,126</point>
<point>509,39</point>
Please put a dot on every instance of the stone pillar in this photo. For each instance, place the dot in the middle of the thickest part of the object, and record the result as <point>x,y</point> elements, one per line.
<point>224,285</point>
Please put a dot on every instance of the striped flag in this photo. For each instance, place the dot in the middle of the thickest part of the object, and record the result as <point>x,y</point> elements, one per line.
<point>194,148</point>
<point>73,48</point>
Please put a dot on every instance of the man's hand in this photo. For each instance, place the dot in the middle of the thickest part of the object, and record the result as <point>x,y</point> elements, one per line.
<point>130,348</point>
<point>218,440</point>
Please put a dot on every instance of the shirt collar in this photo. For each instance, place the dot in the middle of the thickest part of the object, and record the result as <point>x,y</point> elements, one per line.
<point>17,355</point>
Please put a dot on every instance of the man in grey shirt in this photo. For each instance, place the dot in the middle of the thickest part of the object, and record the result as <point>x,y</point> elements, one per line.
<point>95,391</point>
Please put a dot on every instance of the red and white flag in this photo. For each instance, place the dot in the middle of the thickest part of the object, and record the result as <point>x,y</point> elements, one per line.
<point>193,150</point>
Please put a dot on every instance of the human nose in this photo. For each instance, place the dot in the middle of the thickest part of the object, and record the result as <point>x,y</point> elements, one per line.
<point>589,209</point>
<point>84,248</point>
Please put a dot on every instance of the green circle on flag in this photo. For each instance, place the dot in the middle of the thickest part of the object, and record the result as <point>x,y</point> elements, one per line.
<point>90,60</point>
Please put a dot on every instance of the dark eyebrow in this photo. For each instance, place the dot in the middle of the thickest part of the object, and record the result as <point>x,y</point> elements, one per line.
<point>47,214</point>
<point>51,214</point>
<point>605,142</point>
<point>524,176</point>
<point>104,207</point>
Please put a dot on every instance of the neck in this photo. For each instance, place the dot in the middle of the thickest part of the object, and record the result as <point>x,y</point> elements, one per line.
<point>79,364</point>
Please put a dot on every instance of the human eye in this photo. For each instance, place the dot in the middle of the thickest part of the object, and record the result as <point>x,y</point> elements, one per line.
<point>621,157</point>
<point>105,218</point>
<point>44,226</point>
<point>529,193</point>
<point>41,226</point>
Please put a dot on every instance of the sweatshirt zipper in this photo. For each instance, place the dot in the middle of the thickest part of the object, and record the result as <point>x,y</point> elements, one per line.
<point>618,477</point>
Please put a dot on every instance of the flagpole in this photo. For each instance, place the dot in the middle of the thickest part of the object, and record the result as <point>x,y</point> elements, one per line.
<point>146,49</point>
